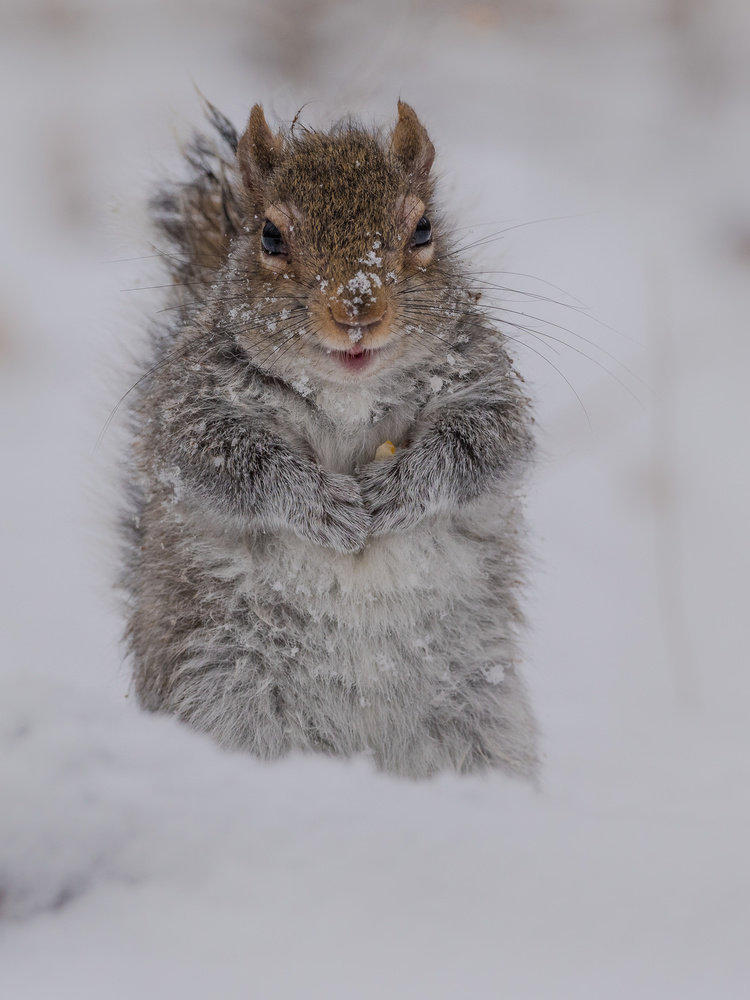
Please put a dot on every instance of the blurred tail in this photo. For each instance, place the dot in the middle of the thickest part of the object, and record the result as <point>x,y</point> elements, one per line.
<point>198,217</point>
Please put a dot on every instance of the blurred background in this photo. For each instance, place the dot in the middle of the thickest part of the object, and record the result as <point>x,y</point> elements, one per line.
<point>594,157</point>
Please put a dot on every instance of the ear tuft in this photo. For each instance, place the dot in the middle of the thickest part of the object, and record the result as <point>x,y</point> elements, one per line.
<point>410,143</point>
<point>259,151</point>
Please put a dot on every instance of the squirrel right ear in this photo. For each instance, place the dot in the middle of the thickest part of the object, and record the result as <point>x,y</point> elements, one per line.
<point>259,151</point>
<point>410,143</point>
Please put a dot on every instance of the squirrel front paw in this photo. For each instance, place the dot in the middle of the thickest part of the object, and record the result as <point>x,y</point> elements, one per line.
<point>393,501</point>
<point>332,513</point>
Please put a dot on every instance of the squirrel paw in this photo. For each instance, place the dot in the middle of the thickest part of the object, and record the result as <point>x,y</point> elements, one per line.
<point>335,516</point>
<point>387,496</point>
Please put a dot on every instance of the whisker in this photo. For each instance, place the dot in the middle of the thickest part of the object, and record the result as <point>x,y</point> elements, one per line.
<point>528,347</point>
<point>557,326</point>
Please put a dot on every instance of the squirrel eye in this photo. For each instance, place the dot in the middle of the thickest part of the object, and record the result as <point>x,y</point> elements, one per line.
<point>423,232</point>
<point>272,241</point>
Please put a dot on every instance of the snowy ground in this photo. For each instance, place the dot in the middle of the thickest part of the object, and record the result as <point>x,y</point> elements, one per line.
<point>137,860</point>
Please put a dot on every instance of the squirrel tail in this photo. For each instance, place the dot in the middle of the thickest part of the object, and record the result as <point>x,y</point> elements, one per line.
<point>197,217</point>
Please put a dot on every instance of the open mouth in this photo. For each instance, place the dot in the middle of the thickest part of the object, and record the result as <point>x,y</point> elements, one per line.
<point>355,359</point>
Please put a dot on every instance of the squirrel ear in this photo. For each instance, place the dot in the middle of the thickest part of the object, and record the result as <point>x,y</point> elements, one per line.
<point>259,150</point>
<point>410,143</point>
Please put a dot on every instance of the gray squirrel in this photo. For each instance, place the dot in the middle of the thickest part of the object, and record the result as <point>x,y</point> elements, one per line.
<point>323,528</point>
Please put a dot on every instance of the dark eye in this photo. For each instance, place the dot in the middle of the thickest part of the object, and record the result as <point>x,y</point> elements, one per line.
<point>272,241</point>
<point>423,232</point>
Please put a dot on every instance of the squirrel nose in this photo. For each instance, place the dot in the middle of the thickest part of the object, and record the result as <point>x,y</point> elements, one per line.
<point>367,316</point>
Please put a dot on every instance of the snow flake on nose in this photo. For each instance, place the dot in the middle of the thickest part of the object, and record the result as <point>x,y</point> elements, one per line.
<point>361,288</point>
<point>363,284</point>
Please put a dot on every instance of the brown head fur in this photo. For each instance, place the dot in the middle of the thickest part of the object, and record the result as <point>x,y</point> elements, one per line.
<point>346,204</point>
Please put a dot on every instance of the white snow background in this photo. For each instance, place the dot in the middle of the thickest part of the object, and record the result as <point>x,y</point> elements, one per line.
<point>610,141</point>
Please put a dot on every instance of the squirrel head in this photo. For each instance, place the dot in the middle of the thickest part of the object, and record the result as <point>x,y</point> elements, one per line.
<point>340,230</point>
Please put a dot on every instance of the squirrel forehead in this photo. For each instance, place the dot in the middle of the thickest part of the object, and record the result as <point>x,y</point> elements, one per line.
<point>342,178</point>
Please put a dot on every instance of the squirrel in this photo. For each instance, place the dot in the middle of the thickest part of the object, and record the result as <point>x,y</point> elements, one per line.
<point>286,589</point>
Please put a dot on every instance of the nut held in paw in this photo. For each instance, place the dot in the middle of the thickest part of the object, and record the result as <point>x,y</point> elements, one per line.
<point>386,449</point>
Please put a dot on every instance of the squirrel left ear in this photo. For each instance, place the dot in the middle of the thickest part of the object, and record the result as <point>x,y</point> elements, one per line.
<point>259,151</point>
<point>410,143</point>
